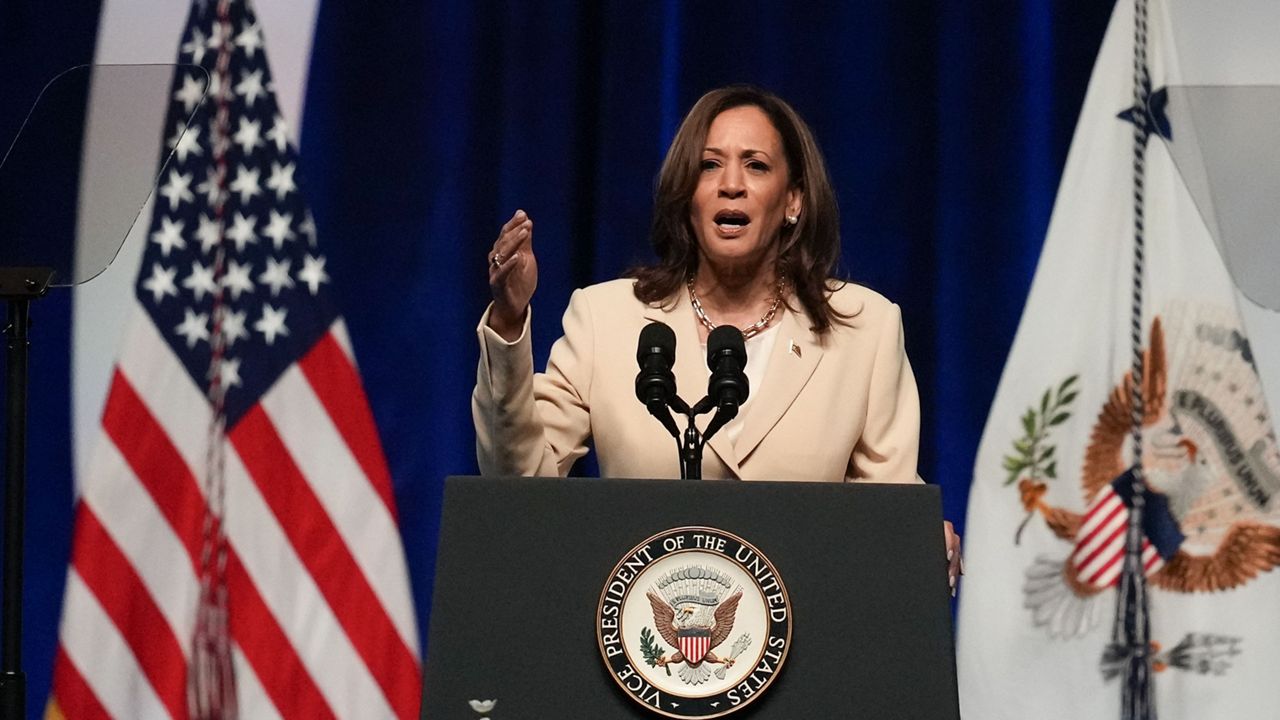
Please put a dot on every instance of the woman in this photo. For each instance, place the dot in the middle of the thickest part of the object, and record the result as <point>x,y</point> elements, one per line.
<point>746,231</point>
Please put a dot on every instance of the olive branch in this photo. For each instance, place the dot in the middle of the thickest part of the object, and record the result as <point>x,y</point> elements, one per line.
<point>1032,454</point>
<point>650,649</point>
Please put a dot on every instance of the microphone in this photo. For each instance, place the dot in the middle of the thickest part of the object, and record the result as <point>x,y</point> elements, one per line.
<point>728,387</point>
<point>656,384</point>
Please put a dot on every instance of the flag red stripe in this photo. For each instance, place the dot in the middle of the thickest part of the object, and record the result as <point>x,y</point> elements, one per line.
<point>1098,528</point>
<point>1104,546</point>
<point>123,596</point>
<point>329,561</point>
<point>75,699</point>
<point>281,674</point>
<point>337,385</point>
<point>162,471</point>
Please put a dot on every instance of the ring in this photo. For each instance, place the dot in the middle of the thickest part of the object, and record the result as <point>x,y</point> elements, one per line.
<point>496,261</point>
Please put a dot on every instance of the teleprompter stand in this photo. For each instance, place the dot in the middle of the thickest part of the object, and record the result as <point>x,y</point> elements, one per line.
<point>18,287</point>
<point>522,563</point>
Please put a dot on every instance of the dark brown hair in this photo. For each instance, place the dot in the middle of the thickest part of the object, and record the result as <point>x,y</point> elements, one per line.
<point>808,251</point>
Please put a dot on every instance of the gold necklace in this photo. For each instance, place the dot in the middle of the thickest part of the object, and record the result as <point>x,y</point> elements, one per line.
<point>748,332</point>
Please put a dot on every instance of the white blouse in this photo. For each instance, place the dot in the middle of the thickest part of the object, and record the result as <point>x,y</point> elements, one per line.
<point>759,349</point>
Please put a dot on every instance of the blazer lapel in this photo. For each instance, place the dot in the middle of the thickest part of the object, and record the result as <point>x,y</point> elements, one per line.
<point>796,352</point>
<point>691,368</point>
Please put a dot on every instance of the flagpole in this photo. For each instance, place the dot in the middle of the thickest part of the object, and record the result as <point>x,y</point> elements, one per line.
<point>1132,629</point>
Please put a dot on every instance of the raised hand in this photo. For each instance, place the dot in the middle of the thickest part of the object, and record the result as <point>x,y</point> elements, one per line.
<point>513,276</point>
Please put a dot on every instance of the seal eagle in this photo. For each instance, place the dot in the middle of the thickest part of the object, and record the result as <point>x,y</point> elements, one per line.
<point>676,624</point>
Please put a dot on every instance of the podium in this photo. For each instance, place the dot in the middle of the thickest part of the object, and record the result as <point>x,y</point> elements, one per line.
<point>523,586</point>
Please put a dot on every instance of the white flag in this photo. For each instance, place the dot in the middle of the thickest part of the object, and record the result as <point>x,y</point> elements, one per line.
<point>1045,524</point>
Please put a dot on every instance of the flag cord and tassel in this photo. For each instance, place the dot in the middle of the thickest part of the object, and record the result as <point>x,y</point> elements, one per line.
<point>1131,632</point>
<point>211,687</point>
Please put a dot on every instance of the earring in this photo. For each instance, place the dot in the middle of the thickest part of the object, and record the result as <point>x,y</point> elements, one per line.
<point>793,219</point>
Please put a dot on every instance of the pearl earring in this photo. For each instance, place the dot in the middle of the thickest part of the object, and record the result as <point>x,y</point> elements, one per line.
<point>793,219</point>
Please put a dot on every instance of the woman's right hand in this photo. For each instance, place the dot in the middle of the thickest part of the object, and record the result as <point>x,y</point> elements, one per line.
<point>513,276</point>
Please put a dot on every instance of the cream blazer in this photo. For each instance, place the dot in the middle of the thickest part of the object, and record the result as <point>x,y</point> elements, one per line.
<point>835,408</point>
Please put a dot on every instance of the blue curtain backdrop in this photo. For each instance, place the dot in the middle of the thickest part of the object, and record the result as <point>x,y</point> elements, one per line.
<point>945,124</point>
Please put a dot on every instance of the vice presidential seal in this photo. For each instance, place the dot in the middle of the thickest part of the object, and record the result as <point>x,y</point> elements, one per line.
<point>694,622</point>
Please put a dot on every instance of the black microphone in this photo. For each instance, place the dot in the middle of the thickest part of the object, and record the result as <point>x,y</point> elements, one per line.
<point>656,384</point>
<point>728,387</point>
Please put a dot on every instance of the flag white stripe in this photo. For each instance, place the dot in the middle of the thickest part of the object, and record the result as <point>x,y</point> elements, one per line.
<point>279,575</point>
<point>349,499</point>
<point>94,644</point>
<point>129,514</point>
<point>340,334</point>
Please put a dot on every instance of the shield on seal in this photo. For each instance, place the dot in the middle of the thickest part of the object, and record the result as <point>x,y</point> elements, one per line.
<point>694,644</point>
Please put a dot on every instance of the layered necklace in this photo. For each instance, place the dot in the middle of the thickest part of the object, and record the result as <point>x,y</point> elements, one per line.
<point>747,332</point>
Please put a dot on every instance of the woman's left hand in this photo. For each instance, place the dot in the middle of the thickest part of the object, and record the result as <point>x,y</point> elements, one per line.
<point>955,563</point>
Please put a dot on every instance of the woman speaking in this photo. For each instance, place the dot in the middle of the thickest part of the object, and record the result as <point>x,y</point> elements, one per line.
<point>746,231</point>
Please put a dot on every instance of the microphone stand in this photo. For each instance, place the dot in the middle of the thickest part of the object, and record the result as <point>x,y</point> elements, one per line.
<point>691,453</point>
<point>694,441</point>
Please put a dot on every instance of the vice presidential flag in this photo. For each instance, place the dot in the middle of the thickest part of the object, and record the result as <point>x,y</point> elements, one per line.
<point>236,546</point>
<point>1050,495</point>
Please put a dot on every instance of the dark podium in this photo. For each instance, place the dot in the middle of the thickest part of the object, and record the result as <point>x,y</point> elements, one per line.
<point>523,561</point>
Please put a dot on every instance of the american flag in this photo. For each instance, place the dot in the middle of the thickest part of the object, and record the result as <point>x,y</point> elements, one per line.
<point>1098,555</point>
<point>236,543</point>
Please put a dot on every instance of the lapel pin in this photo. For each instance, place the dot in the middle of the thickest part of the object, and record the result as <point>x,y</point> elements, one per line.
<point>793,348</point>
